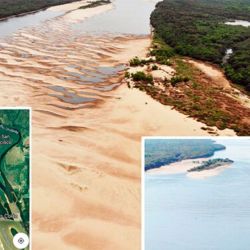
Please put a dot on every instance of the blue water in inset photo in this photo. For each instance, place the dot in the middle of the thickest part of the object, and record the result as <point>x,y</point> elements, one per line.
<point>201,214</point>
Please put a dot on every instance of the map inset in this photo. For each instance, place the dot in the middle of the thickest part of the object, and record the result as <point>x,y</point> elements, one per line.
<point>14,175</point>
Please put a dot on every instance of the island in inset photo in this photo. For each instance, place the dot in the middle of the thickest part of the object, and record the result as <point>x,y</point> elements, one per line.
<point>196,194</point>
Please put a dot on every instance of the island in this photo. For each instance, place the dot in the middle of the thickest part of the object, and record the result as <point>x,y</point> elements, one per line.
<point>161,152</point>
<point>212,164</point>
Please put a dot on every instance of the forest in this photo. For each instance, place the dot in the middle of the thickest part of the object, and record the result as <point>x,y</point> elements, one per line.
<point>16,7</point>
<point>198,29</point>
<point>160,152</point>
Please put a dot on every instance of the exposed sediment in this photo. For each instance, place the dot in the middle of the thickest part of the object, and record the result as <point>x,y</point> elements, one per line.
<point>86,132</point>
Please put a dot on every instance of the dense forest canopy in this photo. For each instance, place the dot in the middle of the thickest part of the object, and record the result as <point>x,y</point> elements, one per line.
<point>159,152</point>
<point>14,7</point>
<point>197,28</point>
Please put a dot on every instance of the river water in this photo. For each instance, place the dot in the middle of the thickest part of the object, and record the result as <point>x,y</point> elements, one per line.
<point>71,59</point>
<point>208,214</point>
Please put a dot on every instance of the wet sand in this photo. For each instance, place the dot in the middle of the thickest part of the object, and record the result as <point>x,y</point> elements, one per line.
<point>87,127</point>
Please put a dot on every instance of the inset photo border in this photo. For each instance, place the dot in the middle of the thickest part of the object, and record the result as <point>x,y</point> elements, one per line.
<point>15,177</point>
<point>195,193</point>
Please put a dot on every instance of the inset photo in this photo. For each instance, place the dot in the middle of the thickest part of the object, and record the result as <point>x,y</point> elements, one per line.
<point>196,193</point>
<point>15,178</point>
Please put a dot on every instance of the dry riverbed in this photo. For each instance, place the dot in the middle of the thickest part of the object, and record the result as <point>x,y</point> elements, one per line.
<point>87,127</point>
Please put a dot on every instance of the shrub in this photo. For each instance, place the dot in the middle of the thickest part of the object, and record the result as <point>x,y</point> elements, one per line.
<point>127,74</point>
<point>177,79</point>
<point>141,76</point>
<point>139,62</point>
<point>163,60</point>
<point>135,61</point>
<point>155,67</point>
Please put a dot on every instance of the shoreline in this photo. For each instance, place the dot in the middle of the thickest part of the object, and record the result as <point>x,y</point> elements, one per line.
<point>2,19</point>
<point>205,87</point>
<point>182,167</point>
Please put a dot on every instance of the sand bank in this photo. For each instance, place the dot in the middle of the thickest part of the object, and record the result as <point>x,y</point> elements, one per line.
<point>74,13</point>
<point>182,167</point>
<point>207,173</point>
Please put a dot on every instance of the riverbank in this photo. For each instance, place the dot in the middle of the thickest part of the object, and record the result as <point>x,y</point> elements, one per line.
<point>208,33</point>
<point>194,88</point>
<point>184,166</point>
<point>38,6</point>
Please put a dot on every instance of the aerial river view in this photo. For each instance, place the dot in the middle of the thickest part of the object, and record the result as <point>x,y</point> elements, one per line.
<point>68,63</point>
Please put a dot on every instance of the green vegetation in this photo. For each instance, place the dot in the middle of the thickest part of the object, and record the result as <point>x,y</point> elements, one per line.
<point>140,76</point>
<point>155,67</point>
<point>136,61</point>
<point>95,4</point>
<point>197,28</point>
<point>14,166</point>
<point>16,7</point>
<point>161,51</point>
<point>211,164</point>
<point>191,92</point>
<point>178,78</point>
<point>160,152</point>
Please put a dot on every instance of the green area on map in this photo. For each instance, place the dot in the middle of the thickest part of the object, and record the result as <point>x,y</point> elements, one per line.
<point>14,175</point>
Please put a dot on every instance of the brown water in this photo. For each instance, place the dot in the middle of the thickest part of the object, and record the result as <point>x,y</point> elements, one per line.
<point>71,61</point>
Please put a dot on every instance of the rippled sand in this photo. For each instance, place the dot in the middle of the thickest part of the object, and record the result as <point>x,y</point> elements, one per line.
<point>86,133</point>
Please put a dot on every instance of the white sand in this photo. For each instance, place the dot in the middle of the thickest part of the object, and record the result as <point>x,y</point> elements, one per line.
<point>69,6</point>
<point>182,167</point>
<point>177,167</point>
<point>81,14</point>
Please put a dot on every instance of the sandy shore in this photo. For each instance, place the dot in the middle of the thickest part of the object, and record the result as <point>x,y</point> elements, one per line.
<point>182,167</point>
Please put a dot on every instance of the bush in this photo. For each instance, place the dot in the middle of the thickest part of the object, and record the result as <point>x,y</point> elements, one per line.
<point>141,76</point>
<point>178,79</point>
<point>163,52</point>
<point>138,62</point>
<point>163,60</point>
<point>135,62</point>
<point>127,74</point>
<point>155,67</point>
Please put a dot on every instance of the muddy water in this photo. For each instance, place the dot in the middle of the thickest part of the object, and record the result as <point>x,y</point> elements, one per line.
<point>67,59</point>
<point>127,17</point>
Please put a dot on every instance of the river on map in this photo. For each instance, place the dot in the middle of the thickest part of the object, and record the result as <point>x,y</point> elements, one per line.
<point>209,214</point>
<point>67,59</point>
